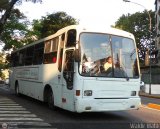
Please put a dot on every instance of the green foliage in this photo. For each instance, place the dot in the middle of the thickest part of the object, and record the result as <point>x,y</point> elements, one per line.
<point>3,65</point>
<point>15,30</point>
<point>4,4</point>
<point>138,24</point>
<point>2,76</point>
<point>6,7</point>
<point>51,23</point>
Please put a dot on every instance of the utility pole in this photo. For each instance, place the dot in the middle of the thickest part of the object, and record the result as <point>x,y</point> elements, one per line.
<point>150,29</point>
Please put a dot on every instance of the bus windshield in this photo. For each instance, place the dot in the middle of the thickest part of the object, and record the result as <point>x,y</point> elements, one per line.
<point>107,55</point>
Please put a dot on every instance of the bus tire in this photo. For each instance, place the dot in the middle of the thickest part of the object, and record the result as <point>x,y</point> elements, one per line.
<point>51,100</point>
<point>17,89</point>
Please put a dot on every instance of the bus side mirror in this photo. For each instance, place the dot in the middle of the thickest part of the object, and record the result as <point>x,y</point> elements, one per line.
<point>77,55</point>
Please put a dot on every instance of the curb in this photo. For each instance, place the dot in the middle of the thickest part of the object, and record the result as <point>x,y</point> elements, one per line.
<point>152,105</point>
<point>150,96</point>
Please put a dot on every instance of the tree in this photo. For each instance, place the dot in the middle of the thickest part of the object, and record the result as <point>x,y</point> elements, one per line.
<point>3,65</point>
<point>51,23</point>
<point>15,30</point>
<point>138,24</point>
<point>6,6</point>
<point>16,33</point>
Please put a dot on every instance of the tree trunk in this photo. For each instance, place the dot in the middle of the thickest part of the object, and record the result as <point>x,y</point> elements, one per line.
<point>6,15</point>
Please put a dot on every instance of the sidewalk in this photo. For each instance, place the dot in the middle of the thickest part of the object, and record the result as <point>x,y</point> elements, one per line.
<point>153,105</point>
<point>155,91</point>
<point>157,96</point>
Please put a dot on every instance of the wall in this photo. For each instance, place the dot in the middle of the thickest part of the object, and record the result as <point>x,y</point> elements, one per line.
<point>155,89</point>
<point>155,75</point>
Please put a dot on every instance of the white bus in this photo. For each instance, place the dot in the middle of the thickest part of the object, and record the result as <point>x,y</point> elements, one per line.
<point>66,70</point>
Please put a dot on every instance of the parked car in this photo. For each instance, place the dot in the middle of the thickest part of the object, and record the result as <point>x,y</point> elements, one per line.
<point>142,86</point>
<point>6,82</point>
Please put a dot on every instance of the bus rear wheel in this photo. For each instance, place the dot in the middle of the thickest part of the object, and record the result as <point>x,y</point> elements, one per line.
<point>51,99</point>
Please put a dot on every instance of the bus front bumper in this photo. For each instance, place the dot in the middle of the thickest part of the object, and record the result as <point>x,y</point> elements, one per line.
<point>102,105</point>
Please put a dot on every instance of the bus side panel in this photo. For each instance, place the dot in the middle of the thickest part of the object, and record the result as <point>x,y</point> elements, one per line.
<point>30,79</point>
<point>52,77</point>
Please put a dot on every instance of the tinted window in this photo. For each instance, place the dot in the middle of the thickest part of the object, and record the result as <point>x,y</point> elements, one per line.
<point>29,55</point>
<point>38,53</point>
<point>22,54</point>
<point>71,38</point>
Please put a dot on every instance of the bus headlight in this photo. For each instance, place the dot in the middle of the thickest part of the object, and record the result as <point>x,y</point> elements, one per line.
<point>88,93</point>
<point>133,93</point>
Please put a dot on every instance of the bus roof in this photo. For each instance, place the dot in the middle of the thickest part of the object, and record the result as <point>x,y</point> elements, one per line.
<point>109,30</point>
<point>80,29</point>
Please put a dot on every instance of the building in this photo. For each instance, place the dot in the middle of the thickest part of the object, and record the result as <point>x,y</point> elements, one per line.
<point>153,70</point>
<point>157,39</point>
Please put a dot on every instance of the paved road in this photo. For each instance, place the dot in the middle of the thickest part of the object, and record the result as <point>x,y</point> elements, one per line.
<point>24,112</point>
<point>16,115</point>
<point>146,100</point>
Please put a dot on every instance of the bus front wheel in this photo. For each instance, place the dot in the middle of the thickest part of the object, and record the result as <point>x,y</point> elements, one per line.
<point>51,99</point>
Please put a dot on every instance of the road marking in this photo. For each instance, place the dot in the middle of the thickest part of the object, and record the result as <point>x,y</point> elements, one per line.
<point>144,106</point>
<point>155,106</point>
<point>12,109</point>
<point>15,116</point>
<point>20,119</point>
<point>15,112</point>
<point>10,102</point>
<point>10,106</point>
<point>19,115</point>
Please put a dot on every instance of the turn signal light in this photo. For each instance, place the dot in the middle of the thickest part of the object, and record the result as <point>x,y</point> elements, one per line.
<point>133,93</point>
<point>78,92</point>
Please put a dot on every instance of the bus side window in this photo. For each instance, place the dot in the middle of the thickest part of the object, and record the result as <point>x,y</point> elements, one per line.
<point>38,53</point>
<point>29,55</point>
<point>14,59</point>
<point>61,52</point>
<point>68,71</point>
<point>50,51</point>
<point>22,57</point>
<point>71,38</point>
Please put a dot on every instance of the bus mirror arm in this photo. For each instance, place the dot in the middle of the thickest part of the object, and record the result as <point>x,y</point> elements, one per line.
<point>77,55</point>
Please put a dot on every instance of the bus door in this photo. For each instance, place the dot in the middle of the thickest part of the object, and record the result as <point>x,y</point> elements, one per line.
<point>67,82</point>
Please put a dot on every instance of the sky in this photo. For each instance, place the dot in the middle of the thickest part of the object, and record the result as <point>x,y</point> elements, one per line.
<point>97,13</point>
<point>87,12</point>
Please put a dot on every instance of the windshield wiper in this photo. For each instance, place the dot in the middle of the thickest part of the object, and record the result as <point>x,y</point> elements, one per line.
<point>134,50</point>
